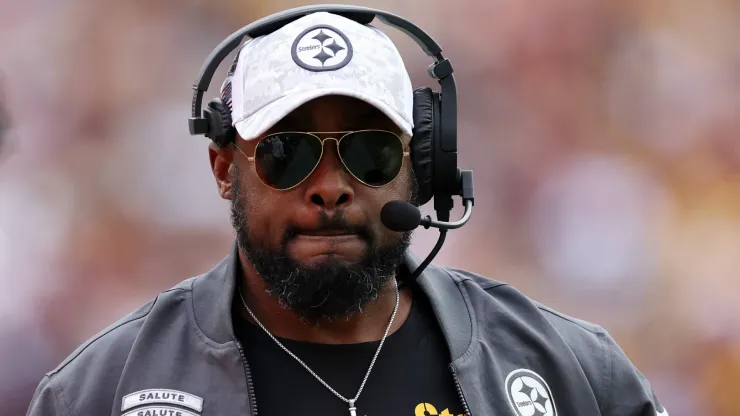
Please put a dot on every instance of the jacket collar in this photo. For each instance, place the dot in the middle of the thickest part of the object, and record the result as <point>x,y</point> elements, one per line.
<point>213,294</point>
<point>449,302</point>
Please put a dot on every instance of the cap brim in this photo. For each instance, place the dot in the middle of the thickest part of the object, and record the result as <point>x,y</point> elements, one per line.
<point>266,117</point>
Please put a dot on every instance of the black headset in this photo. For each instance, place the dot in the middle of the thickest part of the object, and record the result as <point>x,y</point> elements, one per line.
<point>434,141</point>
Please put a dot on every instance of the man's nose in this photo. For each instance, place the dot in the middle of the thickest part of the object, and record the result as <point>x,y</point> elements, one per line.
<point>329,186</point>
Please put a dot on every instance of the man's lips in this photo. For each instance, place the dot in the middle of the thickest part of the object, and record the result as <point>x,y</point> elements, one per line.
<point>330,236</point>
<point>343,243</point>
<point>333,237</point>
<point>326,233</point>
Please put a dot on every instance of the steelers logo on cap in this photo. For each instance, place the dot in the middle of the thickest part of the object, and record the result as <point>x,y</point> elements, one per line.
<point>322,48</point>
<point>529,394</point>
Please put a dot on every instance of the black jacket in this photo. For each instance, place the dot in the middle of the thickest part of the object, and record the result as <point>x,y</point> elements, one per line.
<point>179,352</point>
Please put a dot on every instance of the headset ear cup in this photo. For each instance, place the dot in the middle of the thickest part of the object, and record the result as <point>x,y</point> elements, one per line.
<point>220,129</point>
<point>422,143</point>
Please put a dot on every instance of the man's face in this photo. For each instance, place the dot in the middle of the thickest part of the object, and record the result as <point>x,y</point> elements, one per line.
<point>320,247</point>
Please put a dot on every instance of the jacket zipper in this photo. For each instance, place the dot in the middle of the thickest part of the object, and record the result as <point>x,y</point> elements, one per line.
<point>248,373</point>
<point>460,394</point>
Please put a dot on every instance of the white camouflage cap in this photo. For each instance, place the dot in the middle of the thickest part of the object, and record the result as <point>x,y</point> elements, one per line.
<point>316,55</point>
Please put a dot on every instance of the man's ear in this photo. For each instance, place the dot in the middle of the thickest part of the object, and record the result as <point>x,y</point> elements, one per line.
<point>222,159</point>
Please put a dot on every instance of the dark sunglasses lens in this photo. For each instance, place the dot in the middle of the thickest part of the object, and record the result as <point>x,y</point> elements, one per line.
<point>283,160</point>
<point>372,156</point>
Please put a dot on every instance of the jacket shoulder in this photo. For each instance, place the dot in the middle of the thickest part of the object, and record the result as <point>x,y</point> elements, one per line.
<point>86,380</point>
<point>619,387</point>
<point>111,341</point>
<point>506,293</point>
<point>587,340</point>
<point>518,312</point>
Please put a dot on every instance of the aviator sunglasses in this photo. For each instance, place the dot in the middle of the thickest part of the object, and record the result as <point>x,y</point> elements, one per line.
<point>284,160</point>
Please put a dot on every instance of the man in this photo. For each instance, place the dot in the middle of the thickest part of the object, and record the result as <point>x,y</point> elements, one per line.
<point>313,312</point>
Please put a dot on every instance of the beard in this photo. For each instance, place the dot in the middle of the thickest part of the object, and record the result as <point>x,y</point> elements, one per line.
<point>327,291</point>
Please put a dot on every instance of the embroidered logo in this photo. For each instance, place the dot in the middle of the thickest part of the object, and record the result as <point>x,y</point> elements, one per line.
<point>161,397</point>
<point>321,48</point>
<point>159,411</point>
<point>529,394</point>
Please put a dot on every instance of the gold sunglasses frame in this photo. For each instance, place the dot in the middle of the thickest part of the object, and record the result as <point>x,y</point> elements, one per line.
<point>404,147</point>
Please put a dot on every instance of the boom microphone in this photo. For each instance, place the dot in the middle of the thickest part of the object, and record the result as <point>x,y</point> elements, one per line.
<point>401,216</point>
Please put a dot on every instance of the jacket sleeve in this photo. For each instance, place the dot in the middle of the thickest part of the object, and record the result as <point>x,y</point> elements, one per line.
<point>46,401</point>
<point>628,392</point>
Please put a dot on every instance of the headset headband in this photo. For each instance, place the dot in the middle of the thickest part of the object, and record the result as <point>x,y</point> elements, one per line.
<point>441,69</point>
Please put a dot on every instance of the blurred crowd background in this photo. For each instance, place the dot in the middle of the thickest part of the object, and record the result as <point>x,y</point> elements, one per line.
<point>604,137</point>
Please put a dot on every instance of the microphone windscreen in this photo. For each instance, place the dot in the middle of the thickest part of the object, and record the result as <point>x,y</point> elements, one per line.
<point>400,216</point>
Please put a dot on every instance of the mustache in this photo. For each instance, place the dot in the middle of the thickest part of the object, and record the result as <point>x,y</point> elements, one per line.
<point>335,223</point>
